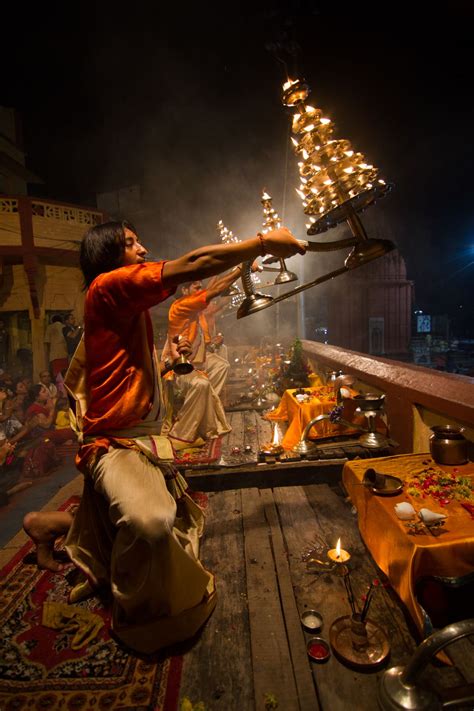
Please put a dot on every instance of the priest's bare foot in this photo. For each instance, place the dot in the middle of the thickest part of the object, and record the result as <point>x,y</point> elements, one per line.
<point>44,528</point>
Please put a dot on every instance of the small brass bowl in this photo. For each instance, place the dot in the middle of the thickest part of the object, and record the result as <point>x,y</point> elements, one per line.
<point>318,649</point>
<point>311,620</point>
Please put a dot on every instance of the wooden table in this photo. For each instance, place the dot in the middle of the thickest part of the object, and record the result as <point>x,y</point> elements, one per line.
<point>408,559</point>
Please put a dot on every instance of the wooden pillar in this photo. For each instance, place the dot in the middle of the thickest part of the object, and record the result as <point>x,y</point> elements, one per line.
<point>37,343</point>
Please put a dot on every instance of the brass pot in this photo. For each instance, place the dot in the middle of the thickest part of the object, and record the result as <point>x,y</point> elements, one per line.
<point>448,445</point>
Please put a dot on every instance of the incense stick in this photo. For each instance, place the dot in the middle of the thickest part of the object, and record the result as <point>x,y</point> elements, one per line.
<point>368,597</point>
<point>350,594</point>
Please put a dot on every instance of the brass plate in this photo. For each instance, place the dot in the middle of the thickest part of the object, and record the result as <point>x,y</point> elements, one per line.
<point>393,486</point>
<point>341,643</point>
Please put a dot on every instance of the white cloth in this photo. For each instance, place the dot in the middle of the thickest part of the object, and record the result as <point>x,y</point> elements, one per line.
<point>132,533</point>
<point>200,415</point>
<point>216,368</point>
<point>138,531</point>
<point>57,343</point>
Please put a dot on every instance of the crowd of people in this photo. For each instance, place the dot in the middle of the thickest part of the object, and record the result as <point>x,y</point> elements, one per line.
<point>33,421</point>
<point>34,416</point>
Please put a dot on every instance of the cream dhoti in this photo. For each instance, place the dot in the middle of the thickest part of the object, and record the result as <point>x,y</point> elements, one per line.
<point>194,410</point>
<point>137,531</point>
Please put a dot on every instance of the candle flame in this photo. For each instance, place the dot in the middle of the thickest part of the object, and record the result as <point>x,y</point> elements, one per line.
<point>276,435</point>
<point>289,83</point>
<point>338,548</point>
<point>266,196</point>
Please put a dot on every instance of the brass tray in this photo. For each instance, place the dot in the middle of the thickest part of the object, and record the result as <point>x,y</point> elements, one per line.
<point>340,639</point>
<point>393,486</point>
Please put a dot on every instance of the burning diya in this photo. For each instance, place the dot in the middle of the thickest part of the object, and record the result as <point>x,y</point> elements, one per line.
<point>338,554</point>
<point>273,449</point>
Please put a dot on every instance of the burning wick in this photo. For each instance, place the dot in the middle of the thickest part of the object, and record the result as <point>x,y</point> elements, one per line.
<point>276,436</point>
<point>338,554</point>
<point>275,446</point>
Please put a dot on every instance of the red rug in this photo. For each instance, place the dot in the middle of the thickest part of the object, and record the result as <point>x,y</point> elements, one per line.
<point>208,453</point>
<point>38,668</point>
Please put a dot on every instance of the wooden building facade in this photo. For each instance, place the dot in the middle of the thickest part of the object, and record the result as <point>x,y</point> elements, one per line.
<point>39,268</point>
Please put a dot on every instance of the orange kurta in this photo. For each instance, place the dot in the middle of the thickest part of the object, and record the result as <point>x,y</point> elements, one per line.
<point>118,341</point>
<point>185,319</point>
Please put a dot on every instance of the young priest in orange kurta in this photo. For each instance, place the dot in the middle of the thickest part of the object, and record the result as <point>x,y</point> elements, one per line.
<point>136,529</point>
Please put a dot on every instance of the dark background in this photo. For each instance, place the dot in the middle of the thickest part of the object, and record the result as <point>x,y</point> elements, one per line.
<point>186,102</point>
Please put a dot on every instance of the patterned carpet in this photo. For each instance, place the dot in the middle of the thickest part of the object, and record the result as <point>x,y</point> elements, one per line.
<point>39,669</point>
<point>208,453</point>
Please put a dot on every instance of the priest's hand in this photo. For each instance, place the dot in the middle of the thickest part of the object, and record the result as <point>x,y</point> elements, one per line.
<point>183,346</point>
<point>280,243</point>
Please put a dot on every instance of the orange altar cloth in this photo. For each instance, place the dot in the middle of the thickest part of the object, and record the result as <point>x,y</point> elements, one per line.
<point>298,414</point>
<point>406,558</point>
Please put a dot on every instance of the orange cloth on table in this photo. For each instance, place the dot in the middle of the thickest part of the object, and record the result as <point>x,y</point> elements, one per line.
<point>406,558</point>
<point>298,414</point>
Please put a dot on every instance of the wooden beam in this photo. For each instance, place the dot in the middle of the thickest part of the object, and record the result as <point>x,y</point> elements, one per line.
<point>30,261</point>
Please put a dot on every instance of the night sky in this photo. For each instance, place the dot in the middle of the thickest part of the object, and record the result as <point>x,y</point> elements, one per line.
<point>186,103</point>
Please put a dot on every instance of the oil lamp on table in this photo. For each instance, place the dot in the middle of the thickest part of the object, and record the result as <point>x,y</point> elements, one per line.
<point>273,448</point>
<point>338,554</point>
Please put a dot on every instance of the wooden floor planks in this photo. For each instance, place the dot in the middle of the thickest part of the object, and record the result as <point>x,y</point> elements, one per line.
<point>253,649</point>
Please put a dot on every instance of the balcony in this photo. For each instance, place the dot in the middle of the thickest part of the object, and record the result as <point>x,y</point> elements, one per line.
<point>417,398</point>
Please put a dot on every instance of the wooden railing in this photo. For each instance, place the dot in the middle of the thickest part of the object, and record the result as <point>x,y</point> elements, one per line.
<point>416,398</point>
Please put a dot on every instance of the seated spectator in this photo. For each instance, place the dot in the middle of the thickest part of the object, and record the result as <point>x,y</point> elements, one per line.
<point>62,417</point>
<point>38,438</point>
<point>20,393</point>
<point>6,451</point>
<point>46,381</point>
<point>10,425</point>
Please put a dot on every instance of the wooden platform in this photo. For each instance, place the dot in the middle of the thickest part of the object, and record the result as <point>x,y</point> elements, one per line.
<point>243,470</point>
<point>253,648</point>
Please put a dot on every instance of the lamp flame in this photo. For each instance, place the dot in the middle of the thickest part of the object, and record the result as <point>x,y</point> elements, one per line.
<point>276,436</point>
<point>338,548</point>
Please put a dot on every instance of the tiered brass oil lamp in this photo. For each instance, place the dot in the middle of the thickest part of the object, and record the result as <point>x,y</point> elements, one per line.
<point>336,181</point>
<point>272,222</point>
